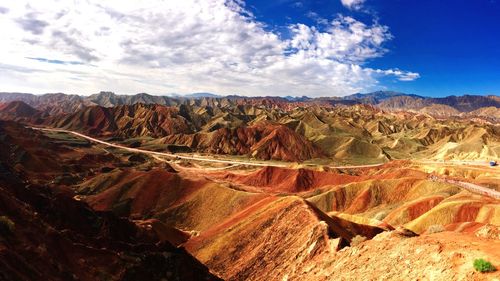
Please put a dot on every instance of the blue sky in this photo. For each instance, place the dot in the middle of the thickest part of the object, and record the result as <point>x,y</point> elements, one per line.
<point>251,47</point>
<point>453,44</point>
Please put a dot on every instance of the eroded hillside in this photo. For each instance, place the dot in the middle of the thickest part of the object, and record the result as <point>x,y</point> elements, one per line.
<point>318,134</point>
<point>295,199</point>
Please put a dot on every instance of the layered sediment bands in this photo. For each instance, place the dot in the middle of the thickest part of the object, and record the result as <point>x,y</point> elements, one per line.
<point>186,203</point>
<point>458,209</point>
<point>264,140</point>
<point>276,129</point>
<point>283,235</point>
<point>124,121</point>
<point>369,222</point>
<point>413,209</point>
<point>418,204</point>
<point>138,193</point>
<point>274,179</point>
<point>374,196</point>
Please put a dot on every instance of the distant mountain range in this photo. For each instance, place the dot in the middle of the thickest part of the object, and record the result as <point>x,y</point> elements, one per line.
<point>378,96</point>
<point>484,106</point>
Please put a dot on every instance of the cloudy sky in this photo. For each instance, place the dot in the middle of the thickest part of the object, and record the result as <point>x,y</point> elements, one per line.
<point>282,47</point>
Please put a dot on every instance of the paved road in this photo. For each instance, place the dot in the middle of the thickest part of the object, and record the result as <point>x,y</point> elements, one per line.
<point>455,162</point>
<point>197,168</point>
<point>194,158</point>
<point>138,150</point>
<point>468,186</point>
<point>465,185</point>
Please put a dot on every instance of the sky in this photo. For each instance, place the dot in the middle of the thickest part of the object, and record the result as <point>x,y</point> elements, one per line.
<point>253,47</point>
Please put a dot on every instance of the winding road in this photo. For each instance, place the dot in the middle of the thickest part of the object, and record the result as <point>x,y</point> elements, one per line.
<point>465,185</point>
<point>193,158</point>
<point>164,154</point>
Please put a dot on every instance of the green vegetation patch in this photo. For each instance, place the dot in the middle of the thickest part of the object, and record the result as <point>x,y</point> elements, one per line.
<point>482,265</point>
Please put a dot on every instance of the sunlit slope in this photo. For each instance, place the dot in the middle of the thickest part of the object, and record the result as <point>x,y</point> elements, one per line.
<point>357,134</point>
<point>415,203</point>
<point>462,207</point>
<point>375,196</point>
<point>186,203</point>
<point>274,238</point>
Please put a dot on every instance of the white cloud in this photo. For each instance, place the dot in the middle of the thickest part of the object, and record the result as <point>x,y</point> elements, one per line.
<point>353,4</point>
<point>345,40</point>
<point>401,75</point>
<point>181,46</point>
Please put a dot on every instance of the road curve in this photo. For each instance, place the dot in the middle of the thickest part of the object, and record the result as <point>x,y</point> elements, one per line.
<point>465,185</point>
<point>138,150</point>
<point>253,163</point>
<point>194,158</point>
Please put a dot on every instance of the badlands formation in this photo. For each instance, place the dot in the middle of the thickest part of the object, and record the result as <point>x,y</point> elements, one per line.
<point>370,187</point>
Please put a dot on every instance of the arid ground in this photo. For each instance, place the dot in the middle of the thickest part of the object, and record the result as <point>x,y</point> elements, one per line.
<point>247,189</point>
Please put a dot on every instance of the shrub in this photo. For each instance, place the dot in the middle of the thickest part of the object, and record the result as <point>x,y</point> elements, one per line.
<point>6,225</point>
<point>435,228</point>
<point>356,240</point>
<point>483,266</point>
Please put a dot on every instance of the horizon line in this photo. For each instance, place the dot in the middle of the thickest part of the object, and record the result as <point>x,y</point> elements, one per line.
<point>216,95</point>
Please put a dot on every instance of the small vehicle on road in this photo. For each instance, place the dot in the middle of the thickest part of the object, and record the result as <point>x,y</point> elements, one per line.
<point>493,163</point>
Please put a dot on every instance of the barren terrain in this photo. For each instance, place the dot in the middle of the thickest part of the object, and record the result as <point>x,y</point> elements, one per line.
<point>246,191</point>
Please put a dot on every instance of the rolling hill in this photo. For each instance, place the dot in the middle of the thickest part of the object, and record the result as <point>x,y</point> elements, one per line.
<point>268,129</point>
<point>122,216</point>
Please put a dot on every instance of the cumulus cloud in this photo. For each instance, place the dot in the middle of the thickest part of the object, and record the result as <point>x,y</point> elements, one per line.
<point>345,40</point>
<point>184,46</point>
<point>352,4</point>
